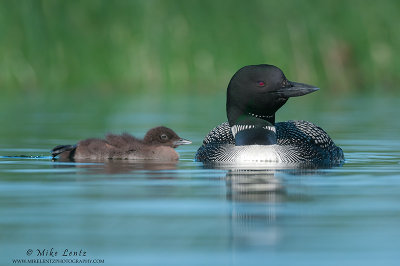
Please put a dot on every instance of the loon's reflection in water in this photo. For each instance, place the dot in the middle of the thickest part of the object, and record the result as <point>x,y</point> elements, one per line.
<point>253,185</point>
<point>257,197</point>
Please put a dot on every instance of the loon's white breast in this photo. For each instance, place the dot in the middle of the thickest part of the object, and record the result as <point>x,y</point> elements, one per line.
<point>250,154</point>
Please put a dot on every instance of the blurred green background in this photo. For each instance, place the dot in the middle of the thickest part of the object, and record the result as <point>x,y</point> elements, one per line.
<point>51,48</point>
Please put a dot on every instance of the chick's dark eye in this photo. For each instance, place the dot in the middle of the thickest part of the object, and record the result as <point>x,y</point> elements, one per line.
<point>164,137</point>
<point>261,83</point>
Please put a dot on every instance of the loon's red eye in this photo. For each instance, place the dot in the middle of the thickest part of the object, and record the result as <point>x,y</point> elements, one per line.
<point>260,83</point>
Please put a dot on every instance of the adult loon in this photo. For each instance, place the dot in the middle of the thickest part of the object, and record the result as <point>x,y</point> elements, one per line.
<point>158,144</point>
<point>254,94</point>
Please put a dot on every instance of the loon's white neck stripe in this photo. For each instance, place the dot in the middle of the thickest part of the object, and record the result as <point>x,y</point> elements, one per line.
<point>261,116</point>
<point>237,128</point>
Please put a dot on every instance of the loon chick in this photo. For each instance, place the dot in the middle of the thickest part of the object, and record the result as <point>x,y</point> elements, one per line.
<point>158,144</point>
<point>254,94</point>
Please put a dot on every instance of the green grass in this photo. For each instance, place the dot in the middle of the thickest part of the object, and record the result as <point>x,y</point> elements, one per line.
<point>106,47</point>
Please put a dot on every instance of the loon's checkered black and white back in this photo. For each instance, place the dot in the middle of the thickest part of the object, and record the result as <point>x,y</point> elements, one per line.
<point>297,142</point>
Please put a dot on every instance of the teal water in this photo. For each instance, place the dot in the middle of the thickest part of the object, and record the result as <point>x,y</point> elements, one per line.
<point>184,214</point>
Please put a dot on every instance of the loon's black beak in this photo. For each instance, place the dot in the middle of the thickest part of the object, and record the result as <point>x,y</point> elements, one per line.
<point>182,142</point>
<point>295,89</point>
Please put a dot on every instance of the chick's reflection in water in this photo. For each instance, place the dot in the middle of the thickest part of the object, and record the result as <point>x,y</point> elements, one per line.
<point>116,166</point>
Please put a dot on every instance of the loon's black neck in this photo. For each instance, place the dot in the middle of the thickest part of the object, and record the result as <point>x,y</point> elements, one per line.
<point>235,115</point>
<point>255,136</point>
<point>252,130</point>
<point>268,118</point>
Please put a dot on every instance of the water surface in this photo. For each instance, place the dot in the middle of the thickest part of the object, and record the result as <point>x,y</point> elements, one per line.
<point>128,213</point>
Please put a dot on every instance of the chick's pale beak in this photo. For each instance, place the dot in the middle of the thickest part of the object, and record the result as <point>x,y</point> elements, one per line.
<point>182,142</point>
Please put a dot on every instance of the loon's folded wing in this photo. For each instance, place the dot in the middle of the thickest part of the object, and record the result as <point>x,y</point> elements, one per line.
<point>221,134</point>
<point>313,142</point>
<point>213,142</point>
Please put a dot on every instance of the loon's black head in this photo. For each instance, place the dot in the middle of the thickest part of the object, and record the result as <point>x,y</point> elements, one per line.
<point>259,91</point>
